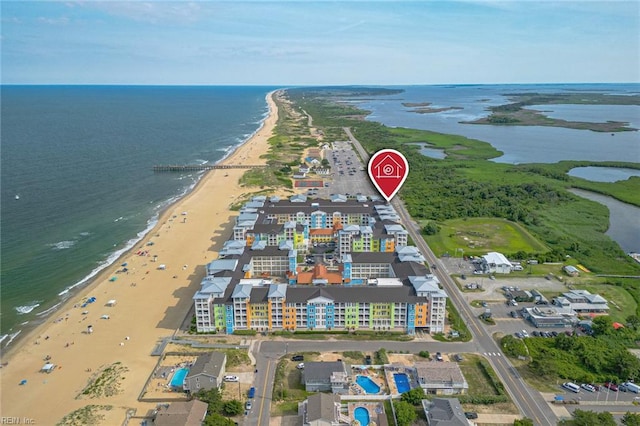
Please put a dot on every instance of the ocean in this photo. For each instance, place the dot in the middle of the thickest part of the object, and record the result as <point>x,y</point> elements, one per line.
<point>77,182</point>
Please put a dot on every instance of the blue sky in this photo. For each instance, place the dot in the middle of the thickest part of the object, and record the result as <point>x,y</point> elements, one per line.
<point>319,43</point>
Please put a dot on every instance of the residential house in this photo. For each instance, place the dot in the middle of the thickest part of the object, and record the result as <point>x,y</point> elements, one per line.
<point>316,376</point>
<point>441,378</point>
<point>322,409</point>
<point>190,413</point>
<point>206,373</point>
<point>444,412</point>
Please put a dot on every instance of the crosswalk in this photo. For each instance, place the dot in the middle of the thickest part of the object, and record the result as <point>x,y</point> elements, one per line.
<point>492,354</point>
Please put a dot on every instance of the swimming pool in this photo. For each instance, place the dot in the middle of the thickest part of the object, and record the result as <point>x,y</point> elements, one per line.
<point>178,377</point>
<point>367,384</point>
<point>361,414</point>
<point>402,382</point>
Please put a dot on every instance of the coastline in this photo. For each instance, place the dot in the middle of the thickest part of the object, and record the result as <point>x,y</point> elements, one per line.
<point>147,298</point>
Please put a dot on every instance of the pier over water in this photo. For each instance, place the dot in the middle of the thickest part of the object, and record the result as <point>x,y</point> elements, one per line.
<point>199,167</point>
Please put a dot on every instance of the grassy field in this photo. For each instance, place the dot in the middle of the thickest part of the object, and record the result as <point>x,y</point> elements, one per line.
<point>477,236</point>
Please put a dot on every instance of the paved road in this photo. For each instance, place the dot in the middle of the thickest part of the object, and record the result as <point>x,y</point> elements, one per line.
<point>267,354</point>
<point>529,402</point>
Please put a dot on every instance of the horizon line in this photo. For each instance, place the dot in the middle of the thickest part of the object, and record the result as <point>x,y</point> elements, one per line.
<point>314,85</point>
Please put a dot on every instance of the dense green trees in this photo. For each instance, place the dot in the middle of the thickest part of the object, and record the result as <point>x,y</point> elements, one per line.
<point>513,347</point>
<point>414,396</point>
<point>217,408</point>
<point>590,418</point>
<point>405,413</point>
<point>631,419</point>
<point>586,359</point>
<point>233,407</point>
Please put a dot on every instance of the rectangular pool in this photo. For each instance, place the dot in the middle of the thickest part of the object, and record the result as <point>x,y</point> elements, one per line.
<point>178,377</point>
<point>402,382</point>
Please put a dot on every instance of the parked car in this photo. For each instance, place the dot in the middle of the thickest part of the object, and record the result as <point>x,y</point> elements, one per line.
<point>611,386</point>
<point>439,356</point>
<point>297,358</point>
<point>471,414</point>
<point>252,392</point>
<point>458,358</point>
<point>595,387</point>
<point>231,379</point>
<point>535,333</point>
<point>588,387</point>
<point>248,405</point>
<point>300,366</point>
<point>519,335</point>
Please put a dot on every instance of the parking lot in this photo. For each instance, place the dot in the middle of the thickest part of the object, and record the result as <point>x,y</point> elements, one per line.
<point>603,395</point>
<point>348,175</point>
<point>491,292</point>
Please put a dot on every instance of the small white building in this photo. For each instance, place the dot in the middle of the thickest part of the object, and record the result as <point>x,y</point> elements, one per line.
<point>496,263</point>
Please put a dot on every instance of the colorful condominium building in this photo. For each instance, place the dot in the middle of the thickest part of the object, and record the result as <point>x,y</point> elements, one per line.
<point>266,280</point>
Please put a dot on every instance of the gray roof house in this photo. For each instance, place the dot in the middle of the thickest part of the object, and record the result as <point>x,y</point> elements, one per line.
<point>444,412</point>
<point>190,413</point>
<point>441,378</point>
<point>316,376</point>
<point>206,373</point>
<point>322,409</point>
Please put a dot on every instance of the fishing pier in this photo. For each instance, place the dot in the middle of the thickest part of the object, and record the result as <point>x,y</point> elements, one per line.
<point>200,167</point>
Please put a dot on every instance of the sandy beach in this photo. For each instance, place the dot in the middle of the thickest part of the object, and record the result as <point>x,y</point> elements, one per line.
<point>150,304</point>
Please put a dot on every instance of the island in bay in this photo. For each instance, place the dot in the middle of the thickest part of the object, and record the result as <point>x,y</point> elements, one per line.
<point>517,114</point>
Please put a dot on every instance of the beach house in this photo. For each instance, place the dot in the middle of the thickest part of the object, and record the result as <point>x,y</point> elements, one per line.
<point>189,413</point>
<point>316,376</point>
<point>206,373</point>
<point>441,378</point>
<point>321,409</point>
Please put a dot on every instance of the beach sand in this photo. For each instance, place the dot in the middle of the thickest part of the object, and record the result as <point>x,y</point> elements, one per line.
<point>150,304</point>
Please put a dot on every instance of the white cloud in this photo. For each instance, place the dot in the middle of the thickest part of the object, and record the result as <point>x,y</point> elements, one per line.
<point>150,11</point>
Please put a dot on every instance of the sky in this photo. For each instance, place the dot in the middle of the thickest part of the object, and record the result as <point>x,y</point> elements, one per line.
<point>287,43</point>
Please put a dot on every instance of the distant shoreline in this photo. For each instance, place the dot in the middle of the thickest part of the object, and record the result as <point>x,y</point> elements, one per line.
<point>517,113</point>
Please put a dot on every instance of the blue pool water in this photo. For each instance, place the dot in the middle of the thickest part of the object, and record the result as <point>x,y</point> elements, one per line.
<point>367,384</point>
<point>178,378</point>
<point>402,382</point>
<point>362,414</point>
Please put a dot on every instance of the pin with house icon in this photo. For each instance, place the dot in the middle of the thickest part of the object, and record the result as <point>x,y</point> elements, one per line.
<point>388,169</point>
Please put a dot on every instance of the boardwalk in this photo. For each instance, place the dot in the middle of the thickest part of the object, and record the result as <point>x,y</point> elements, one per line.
<point>199,167</point>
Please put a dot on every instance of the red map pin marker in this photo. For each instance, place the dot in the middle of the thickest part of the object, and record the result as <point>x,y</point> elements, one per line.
<point>388,169</point>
